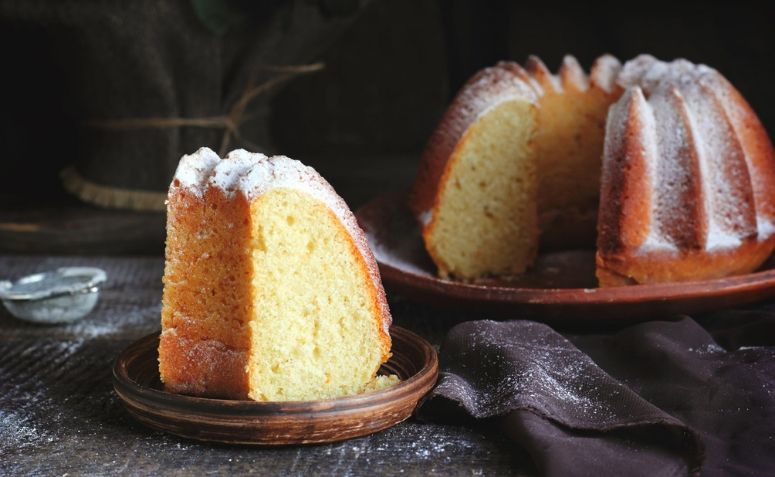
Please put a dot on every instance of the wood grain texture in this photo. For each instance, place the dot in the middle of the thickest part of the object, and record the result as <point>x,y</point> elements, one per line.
<point>59,413</point>
<point>79,229</point>
<point>560,288</point>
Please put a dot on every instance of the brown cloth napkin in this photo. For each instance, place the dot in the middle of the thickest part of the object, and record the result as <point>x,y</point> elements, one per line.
<point>657,398</point>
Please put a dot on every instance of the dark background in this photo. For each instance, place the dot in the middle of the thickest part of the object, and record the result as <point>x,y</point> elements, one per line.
<point>362,121</point>
<point>391,68</point>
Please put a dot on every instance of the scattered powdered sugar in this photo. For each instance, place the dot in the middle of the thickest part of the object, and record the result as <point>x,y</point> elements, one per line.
<point>492,373</point>
<point>766,227</point>
<point>726,182</point>
<point>429,448</point>
<point>17,428</point>
<point>746,125</point>
<point>711,348</point>
<point>93,329</point>
<point>399,258</point>
<point>662,206</point>
<point>676,204</point>
<point>134,319</point>
<point>425,217</point>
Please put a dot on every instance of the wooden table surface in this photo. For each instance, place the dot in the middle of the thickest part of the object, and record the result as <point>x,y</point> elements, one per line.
<point>60,416</point>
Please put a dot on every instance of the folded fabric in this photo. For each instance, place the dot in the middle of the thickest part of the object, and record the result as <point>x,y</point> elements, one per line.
<point>645,400</point>
<point>718,377</point>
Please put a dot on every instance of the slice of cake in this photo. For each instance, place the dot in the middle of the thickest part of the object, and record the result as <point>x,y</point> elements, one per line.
<point>270,290</point>
<point>476,188</point>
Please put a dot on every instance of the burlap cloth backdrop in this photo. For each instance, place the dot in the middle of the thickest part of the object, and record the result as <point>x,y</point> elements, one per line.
<point>151,80</point>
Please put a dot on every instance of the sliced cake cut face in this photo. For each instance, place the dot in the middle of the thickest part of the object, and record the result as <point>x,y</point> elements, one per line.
<point>569,147</point>
<point>684,190</point>
<point>270,290</point>
<point>314,331</point>
<point>515,157</point>
<point>684,173</point>
<point>476,188</point>
<point>485,222</point>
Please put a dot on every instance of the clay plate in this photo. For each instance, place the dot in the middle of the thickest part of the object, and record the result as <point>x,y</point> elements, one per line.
<point>136,381</point>
<point>561,288</point>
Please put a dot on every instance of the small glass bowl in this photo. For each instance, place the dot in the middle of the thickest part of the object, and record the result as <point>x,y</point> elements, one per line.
<point>63,295</point>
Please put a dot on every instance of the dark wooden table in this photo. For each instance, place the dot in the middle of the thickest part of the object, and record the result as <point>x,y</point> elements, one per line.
<point>59,415</point>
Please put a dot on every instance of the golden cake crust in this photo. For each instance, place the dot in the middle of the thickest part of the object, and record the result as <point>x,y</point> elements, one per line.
<point>488,89</point>
<point>687,175</point>
<point>484,90</point>
<point>206,305</point>
<point>685,192</point>
<point>569,143</point>
<point>559,214</point>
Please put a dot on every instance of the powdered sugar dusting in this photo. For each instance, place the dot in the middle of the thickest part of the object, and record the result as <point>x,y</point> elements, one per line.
<point>758,152</point>
<point>19,427</point>
<point>765,227</point>
<point>21,431</point>
<point>426,217</point>
<point>228,174</point>
<point>543,75</point>
<point>710,348</point>
<point>692,134</point>
<point>604,72</point>
<point>727,183</point>
<point>657,239</point>
<point>495,368</point>
<point>194,168</point>
<point>254,174</point>
<point>491,87</point>
<point>571,73</point>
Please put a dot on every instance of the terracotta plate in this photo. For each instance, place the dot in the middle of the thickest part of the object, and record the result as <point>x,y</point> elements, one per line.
<point>136,381</point>
<point>561,288</point>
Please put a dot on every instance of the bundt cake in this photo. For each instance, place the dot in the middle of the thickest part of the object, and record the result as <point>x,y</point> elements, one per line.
<point>684,190</point>
<point>688,184</point>
<point>518,150</point>
<point>568,147</point>
<point>477,178</point>
<point>270,290</point>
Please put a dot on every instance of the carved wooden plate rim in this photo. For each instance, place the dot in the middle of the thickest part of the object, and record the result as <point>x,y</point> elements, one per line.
<point>405,267</point>
<point>135,381</point>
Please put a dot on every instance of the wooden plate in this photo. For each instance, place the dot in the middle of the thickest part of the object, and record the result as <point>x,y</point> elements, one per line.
<point>561,288</point>
<point>136,381</point>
